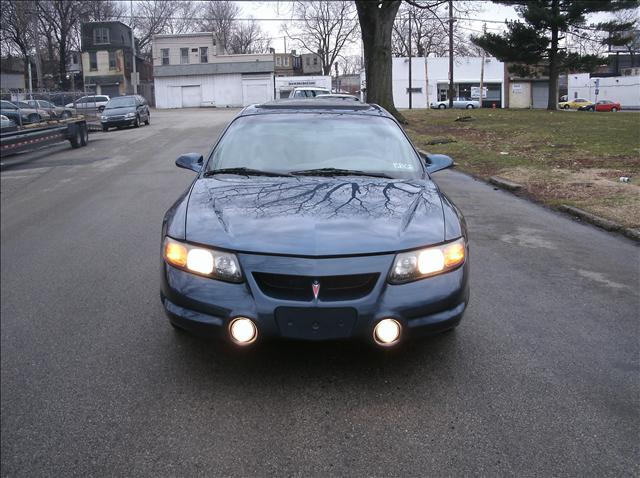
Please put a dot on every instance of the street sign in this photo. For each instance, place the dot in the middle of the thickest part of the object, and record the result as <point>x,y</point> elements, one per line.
<point>597,91</point>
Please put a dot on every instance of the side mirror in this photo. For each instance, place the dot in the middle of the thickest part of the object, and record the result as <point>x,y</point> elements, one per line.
<point>436,162</point>
<point>192,161</point>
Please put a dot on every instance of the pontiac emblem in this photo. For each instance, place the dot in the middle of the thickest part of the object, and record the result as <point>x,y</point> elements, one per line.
<point>315,285</point>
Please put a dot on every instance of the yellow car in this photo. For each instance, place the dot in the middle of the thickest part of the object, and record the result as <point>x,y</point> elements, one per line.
<point>574,104</point>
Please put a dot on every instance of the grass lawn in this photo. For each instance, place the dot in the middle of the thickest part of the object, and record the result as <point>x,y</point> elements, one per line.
<point>560,157</point>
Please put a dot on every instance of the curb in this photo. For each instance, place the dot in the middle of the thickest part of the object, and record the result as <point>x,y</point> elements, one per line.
<point>601,222</point>
<point>505,183</point>
<point>585,216</point>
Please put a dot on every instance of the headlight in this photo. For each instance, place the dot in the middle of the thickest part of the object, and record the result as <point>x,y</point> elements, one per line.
<point>203,261</point>
<point>130,115</point>
<point>413,265</point>
<point>103,118</point>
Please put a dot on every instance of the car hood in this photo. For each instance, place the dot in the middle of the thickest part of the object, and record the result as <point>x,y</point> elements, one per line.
<point>118,111</point>
<point>315,216</point>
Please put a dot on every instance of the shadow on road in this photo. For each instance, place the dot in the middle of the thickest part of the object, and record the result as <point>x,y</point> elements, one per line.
<point>295,360</point>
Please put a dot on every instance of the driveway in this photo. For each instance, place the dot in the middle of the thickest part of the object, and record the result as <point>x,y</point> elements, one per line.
<point>542,377</point>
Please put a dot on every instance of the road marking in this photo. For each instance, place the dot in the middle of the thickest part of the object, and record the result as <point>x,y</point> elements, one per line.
<point>600,278</point>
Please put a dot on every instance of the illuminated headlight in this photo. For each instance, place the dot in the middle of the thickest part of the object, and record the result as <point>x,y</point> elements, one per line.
<point>104,118</point>
<point>414,265</point>
<point>130,115</point>
<point>203,261</point>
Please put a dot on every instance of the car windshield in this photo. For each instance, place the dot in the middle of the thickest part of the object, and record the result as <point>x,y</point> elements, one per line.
<point>285,143</point>
<point>120,103</point>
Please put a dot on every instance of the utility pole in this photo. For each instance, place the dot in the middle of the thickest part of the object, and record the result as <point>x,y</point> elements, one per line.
<point>451,20</point>
<point>30,83</point>
<point>484,31</point>
<point>410,90</point>
<point>134,75</point>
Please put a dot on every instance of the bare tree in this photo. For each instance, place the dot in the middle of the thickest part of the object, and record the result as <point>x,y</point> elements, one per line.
<point>183,17</point>
<point>325,28</point>
<point>63,17</point>
<point>350,64</point>
<point>103,10</point>
<point>247,37</point>
<point>17,27</point>
<point>220,17</point>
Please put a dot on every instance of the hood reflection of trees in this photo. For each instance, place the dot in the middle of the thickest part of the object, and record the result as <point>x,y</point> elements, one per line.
<point>325,198</point>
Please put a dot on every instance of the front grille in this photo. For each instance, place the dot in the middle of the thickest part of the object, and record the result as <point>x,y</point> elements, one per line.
<point>116,118</point>
<point>332,288</point>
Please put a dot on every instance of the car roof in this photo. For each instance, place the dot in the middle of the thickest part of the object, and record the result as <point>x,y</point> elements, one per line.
<point>315,105</point>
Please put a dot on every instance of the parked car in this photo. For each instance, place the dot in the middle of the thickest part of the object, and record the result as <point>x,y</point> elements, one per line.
<point>91,102</point>
<point>53,110</point>
<point>459,102</point>
<point>574,104</point>
<point>21,115</point>
<point>602,105</point>
<point>314,221</point>
<point>339,96</point>
<point>23,105</point>
<point>7,125</point>
<point>125,111</point>
<point>308,92</point>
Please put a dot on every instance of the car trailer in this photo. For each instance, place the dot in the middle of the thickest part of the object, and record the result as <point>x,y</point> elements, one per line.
<point>31,137</point>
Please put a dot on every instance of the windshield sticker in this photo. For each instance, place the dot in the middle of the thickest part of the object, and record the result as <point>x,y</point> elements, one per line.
<point>408,166</point>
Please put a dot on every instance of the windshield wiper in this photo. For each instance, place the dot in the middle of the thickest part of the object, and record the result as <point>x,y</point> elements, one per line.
<point>244,171</point>
<point>338,172</point>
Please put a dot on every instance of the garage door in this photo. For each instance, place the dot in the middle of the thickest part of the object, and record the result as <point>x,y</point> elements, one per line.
<point>191,96</point>
<point>540,94</point>
<point>110,90</point>
<point>256,91</point>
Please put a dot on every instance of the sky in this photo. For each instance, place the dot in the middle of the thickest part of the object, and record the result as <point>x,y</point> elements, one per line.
<point>485,11</point>
<point>279,9</point>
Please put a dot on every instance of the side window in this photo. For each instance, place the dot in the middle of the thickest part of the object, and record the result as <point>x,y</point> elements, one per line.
<point>102,98</point>
<point>112,60</point>
<point>299,94</point>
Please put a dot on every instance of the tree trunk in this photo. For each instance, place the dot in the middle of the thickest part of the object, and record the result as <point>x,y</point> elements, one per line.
<point>62,65</point>
<point>552,103</point>
<point>376,24</point>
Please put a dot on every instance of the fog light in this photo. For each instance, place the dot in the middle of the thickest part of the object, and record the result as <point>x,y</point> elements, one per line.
<point>387,332</point>
<point>243,331</point>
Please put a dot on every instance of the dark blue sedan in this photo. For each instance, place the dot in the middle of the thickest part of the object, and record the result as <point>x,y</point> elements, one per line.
<point>314,220</point>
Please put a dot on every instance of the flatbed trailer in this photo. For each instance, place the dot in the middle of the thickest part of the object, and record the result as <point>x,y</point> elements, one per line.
<point>27,138</point>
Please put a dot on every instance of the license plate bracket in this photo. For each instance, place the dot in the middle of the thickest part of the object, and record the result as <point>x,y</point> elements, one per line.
<point>316,323</point>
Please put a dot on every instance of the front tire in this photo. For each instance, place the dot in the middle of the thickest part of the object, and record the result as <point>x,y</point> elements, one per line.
<point>442,107</point>
<point>148,121</point>
<point>136,123</point>
<point>565,107</point>
<point>470,107</point>
<point>105,128</point>
<point>613,110</point>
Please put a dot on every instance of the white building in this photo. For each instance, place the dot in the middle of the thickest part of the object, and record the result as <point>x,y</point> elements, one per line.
<point>623,89</point>
<point>189,72</point>
<point>430,80</point>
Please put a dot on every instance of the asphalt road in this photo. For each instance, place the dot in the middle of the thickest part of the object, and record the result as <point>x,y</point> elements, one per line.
<point>542,378</point>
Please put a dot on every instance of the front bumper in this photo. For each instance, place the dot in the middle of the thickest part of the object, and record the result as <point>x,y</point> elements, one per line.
<point>118,122</point>
<point>205,306</point>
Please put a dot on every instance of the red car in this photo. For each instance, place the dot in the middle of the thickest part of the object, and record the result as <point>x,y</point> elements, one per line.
<point>602,105</point>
